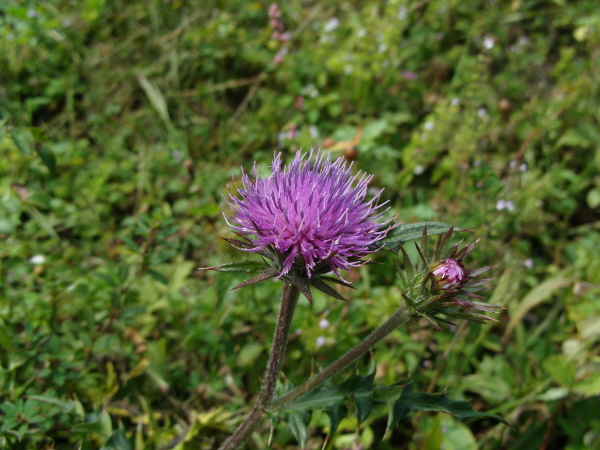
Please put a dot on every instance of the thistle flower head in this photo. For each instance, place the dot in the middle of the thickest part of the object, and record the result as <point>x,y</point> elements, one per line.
<point>313,214</point>
<point>448,274</point>
<point>441,289</point>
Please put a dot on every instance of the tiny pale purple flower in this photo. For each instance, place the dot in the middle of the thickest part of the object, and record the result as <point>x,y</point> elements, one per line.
<point>323,324</point>
<point>449,274</point>
<point>313,213</point>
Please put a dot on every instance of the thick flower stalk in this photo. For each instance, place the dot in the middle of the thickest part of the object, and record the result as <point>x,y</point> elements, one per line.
<point>309,218</point>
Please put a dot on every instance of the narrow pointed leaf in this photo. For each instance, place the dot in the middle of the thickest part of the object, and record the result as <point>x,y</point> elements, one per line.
<point>485,306</point>
<point>397,236</point>
<point>441,243</point>
<point>239,244</point>
<point>248,245</point>
<point>336,413</point>
<point>298,422</point>
<point>425,245</point>
<point>475,272</point>
<point>410,268</point>
<point>337,281</point>
<point>362,388</point>
<point>265,275</point>
<point>302,284</point>
<point>326,289</point>
<point>239,267</point>
<point>475,283</point>
<point>422,255</point>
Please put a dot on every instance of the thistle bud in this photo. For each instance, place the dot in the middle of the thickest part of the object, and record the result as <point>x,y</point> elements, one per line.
<point>449,274</point>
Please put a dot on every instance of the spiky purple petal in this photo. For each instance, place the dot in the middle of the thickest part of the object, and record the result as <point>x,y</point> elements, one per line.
<point>312,211</point>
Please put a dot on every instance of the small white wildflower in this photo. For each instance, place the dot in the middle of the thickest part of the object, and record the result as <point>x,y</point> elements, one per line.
<point>505,204</point>
<point>512,164</point>
<point>523,167</point>
<point>310,90</point>
<point>528,263</point>
<point>31,12</point>
<point>331,24</point>
<point>38,260</point>
<point>488,42</point>
<point>323,324</point>
<point>177,155</point>
<point>429,125</point>
<point>482,112</point>
<point>313,131</point>
<point>382,48</point>
<point>455,101</point>
<point>348,70</point>
<point>361,33</point>
<point>403,13</point>
<point>419,169</point>
<point>320,341</point>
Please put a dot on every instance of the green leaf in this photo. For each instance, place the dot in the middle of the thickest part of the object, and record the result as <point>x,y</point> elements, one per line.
<point>23,148</point>
<point>239,267</point>
<point>249,353</point>
<point>102,425</point>
<point>117,441</point>
<point>404,233</point>
<point>421,401</point>
<point>361,387</point>
<point>536,296</point>
<point>560,369</point>
<point>298,422</point>
<point>399,397</point>
<point>47,158</point>
<point>158,277</point>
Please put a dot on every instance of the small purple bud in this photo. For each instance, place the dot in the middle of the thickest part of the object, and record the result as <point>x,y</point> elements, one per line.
<point>448,273</point>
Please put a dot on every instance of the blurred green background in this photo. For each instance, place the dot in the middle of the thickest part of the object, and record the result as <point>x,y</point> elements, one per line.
<point>121,124</point>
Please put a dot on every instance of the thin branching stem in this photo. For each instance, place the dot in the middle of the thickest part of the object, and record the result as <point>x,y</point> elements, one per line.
<point>400,317</point>
<point>289,299</point>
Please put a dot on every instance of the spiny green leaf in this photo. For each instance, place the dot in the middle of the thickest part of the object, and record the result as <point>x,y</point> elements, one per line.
<point>336,413</point>
<point>361,387</point>
<point>239,267</point>
<point>404,233</point>
<point>298,422</point>
<point>398,396</point>
<point>421,401</point>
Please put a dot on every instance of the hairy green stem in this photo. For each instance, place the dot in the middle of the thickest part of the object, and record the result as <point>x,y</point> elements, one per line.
<point>289,299</point>
<point>401,316</point>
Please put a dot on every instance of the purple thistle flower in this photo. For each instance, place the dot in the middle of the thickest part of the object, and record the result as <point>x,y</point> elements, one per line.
<point>313,213</point>
<point>448,274</point>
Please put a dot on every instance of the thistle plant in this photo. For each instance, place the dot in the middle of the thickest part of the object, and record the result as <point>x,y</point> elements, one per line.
<point>310,221</point>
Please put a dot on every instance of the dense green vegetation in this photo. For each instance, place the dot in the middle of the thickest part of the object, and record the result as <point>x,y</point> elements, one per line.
<point>121,124</point>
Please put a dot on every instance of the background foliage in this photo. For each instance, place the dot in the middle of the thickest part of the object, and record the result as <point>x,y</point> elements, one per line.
<point>121,123</point>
